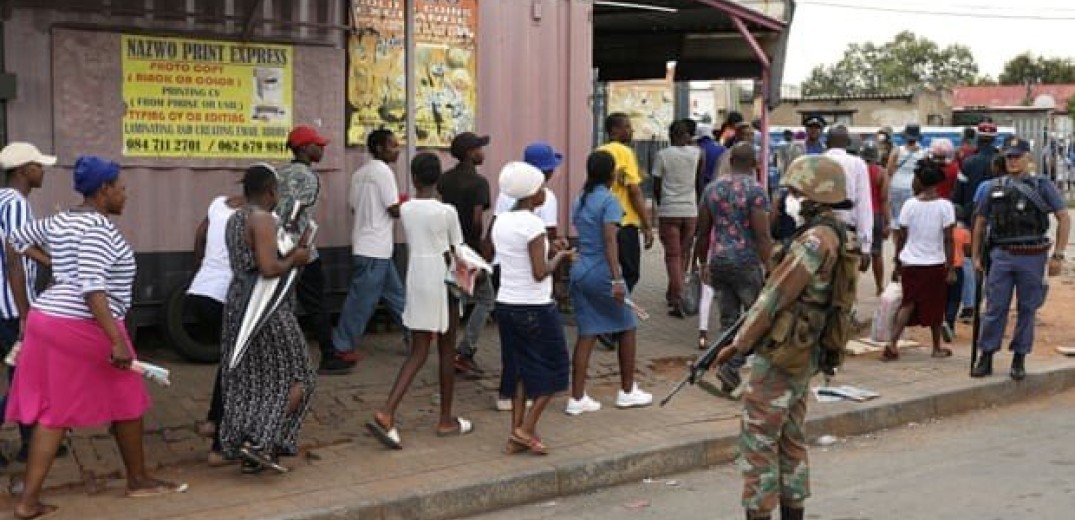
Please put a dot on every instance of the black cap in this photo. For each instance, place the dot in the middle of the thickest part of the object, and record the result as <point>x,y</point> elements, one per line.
<point>733,118</point>
<point>1017,147</point>
<point>912,131</point>
<point>467,141</point>
<point>814,120</point>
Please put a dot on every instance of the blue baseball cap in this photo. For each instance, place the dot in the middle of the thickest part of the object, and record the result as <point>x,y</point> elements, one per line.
<point>541,156</point>
<point>1017,147</point>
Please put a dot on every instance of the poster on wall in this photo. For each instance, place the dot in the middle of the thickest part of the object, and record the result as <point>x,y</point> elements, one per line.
<point>649,104</point>
<point>446,67</point>
<point>205,99</point>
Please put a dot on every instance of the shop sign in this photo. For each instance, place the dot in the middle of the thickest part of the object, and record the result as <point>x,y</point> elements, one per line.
<point>445,69</point>
<point>205,99</point>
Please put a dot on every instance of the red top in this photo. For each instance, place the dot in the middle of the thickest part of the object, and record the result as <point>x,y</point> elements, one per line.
<point>951,173</point>
<point>875,191</point>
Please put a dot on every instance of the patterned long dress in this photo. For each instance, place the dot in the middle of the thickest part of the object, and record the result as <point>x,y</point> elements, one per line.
<point>256,390</point>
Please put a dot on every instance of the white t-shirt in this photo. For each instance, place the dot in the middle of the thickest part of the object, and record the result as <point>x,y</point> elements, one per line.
<point>373,191</point>
<point>677,167</point>
<point>512,233</point>
<point>547,212</point>
<point>214,275</point>
<point>925,223</point>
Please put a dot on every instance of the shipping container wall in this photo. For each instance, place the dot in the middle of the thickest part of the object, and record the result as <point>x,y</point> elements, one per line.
<point>534,68</point>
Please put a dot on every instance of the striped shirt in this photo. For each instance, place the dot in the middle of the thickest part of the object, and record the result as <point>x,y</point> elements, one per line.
<point>88,255</point>
<point>14,213</point>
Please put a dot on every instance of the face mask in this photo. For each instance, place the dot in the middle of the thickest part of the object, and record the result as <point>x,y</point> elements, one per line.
<point>793,206</point>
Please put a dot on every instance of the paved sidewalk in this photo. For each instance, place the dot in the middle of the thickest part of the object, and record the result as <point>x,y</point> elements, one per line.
<point>345,473</point>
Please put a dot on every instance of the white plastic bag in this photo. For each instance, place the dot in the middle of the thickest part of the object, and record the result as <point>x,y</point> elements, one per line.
<point>884,318</point>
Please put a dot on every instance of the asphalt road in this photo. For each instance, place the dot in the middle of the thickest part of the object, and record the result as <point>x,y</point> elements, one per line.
<point>1011,463</point>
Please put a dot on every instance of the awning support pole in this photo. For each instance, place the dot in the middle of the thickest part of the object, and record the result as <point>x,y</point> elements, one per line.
<point>411,104</point>
<point>766,66</point>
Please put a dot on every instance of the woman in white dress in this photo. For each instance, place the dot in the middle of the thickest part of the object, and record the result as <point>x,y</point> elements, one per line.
<point>433,233</point>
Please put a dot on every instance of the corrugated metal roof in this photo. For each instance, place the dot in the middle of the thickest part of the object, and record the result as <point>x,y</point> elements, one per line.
<point>854,97</point>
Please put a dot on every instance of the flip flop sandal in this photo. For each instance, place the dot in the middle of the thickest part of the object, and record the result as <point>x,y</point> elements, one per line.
<point>514,448</point>
<point>158,490</point>
<point>941,353</point>
<point>255,455</point>
<point>464,428</point>
<point>43,510</point>
<point>533,444</point>
<point>388,436</point>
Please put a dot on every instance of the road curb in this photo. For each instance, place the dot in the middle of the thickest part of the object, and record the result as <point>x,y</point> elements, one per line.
<point>446,500</point>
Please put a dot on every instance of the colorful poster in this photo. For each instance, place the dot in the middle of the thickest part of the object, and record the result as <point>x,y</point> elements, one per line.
<point>205,99</point>
<point>446,67</point>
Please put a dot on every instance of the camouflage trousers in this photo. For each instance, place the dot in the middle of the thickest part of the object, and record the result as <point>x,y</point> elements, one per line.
<point>772,446</point>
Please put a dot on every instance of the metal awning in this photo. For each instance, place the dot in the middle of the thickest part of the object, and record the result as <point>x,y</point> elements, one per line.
<point>636,39</point>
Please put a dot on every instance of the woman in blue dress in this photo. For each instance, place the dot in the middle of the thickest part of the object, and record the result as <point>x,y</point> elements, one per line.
<point>598,290</point>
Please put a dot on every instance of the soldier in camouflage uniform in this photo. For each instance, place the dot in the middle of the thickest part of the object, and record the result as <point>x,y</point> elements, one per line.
<point>784,327</point>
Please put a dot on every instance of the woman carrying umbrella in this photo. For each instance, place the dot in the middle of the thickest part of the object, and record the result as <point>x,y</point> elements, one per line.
<point>267,380</point>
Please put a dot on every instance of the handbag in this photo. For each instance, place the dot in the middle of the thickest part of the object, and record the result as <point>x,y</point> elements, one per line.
<point>692,292</point>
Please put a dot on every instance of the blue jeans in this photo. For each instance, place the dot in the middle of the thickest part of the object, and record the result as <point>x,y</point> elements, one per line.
<point>736,288</point>
<point>1023,275</point>
<point>373,280</point>
<point>483,300</point>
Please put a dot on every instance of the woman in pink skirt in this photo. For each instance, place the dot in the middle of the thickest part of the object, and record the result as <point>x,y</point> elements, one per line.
<point>75,363</point>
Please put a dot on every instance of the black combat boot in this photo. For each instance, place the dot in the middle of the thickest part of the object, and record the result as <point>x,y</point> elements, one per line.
<point>1018,367</point>
<point>984,366</point>
<point>787,513</point>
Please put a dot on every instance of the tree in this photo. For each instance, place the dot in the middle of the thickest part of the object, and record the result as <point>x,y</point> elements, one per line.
<point>1027,68</point>
<point>902,64</point>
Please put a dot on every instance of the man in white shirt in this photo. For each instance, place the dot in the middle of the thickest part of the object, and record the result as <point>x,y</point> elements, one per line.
<point>374,200</point>
<point>860,217</point>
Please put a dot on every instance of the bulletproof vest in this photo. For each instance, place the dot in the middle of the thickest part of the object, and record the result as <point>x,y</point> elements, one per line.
<point>812,332</point>
<point>1016,218</point>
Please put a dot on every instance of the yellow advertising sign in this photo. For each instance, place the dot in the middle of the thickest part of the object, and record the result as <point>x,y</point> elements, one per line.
<point>205,99</point>
<point>446,70</point>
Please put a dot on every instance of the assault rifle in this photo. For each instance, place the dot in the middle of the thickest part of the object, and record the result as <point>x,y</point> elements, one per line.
<point>698,368</point>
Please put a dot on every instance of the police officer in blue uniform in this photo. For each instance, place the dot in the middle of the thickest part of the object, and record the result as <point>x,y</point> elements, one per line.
<point>814,124</point>
<point>1016,212</point>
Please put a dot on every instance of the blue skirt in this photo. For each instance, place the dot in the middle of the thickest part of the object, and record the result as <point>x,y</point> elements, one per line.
<point>596,311</point>
<point>532,349</point>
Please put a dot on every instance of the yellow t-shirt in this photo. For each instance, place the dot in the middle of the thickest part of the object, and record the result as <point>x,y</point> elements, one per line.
<point>626,174</point>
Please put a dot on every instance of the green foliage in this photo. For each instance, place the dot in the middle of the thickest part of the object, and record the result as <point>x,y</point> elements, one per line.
<point>1027,68</point>
<point>906,62</point>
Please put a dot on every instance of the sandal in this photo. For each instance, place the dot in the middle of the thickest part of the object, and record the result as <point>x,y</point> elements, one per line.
<point>254,455</point>
<point>463,427</point>
<point>514,448</point>
<point>40,510</point>
<point>161,488</point>
<point>941,353</point>
<point>533,444</point>
<point>890,355</point>
<point>389,436</point>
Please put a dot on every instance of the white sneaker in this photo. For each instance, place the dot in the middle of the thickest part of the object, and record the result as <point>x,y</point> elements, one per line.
<point>635,399</point>
<point>579,406</point>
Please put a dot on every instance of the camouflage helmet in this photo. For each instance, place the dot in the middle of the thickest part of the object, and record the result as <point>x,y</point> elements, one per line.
<point>818,178</point>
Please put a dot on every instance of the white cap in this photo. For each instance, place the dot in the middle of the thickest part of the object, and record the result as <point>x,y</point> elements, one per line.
<point>19,154</point>
<point>519,180</point>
